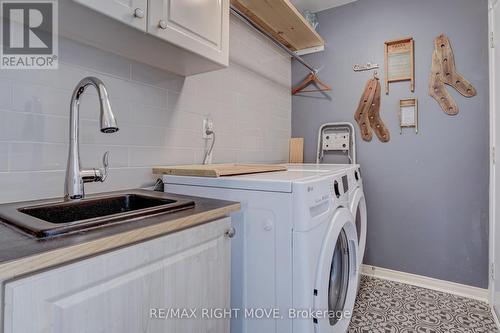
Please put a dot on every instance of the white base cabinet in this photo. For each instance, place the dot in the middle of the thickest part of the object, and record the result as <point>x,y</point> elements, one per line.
<point>131,290</point>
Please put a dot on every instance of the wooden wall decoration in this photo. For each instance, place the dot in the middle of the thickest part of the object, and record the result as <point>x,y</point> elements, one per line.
<point>443,72</point>
<point>408,114</point>
<point>367,115</point>
<point>399,60</point>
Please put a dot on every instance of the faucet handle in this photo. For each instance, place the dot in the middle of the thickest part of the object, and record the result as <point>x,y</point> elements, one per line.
<point>103,173</point>
<point>96,175</point>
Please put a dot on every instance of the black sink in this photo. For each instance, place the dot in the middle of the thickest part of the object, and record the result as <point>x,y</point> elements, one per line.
<point>68,212</point>
<point>50,218</point>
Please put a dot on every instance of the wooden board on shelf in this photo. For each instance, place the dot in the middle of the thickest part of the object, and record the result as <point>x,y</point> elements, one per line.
<point>282,20</point>
<point>296,154</point>
<point>217,170</point>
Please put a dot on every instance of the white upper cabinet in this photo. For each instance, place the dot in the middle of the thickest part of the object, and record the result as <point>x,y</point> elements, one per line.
<point>185,37</point>
<point>199,26</point>
<point>130,12</point>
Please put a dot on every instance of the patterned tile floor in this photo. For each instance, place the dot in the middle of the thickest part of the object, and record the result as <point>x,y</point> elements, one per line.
<point>385,307</point>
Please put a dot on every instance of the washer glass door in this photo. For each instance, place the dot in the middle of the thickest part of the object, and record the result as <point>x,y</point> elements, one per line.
<point>339,279</point>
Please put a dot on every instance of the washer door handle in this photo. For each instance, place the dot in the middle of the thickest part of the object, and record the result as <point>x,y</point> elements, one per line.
<point>354,257</point>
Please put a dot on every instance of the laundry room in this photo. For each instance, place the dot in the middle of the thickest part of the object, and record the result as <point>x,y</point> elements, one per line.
<point>243,166</point>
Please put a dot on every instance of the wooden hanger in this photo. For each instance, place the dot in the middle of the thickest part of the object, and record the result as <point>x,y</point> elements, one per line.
<point>311,78</point>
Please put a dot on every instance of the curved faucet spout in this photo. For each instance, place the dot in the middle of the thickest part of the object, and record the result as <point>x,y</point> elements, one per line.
<point>75,176</point>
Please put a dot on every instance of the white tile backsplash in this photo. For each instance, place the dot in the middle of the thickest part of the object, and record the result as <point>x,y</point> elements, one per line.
<point>148,115</point>
<point>4,161</point>
<point>159,114</point>
<point>31,127</point>
<point>21,186</point>
<point>5,94</point>
<point>100,60</point>
<point>91,156</point>
<point>148,156</point>
<point>38,156</point>
<point>36,98</point>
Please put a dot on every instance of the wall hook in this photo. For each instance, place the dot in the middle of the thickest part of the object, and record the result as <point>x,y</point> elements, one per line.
<point>367,67</point>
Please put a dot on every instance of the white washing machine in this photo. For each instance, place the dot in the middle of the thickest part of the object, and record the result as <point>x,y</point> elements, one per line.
<point>357,201</point>
<point>295,248</point>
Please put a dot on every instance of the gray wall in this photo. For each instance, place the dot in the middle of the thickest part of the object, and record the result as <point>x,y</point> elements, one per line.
<point>160,116</point>
<point>427,194</point>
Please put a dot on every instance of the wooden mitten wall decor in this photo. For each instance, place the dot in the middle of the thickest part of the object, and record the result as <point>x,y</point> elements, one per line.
<point>437,89</point>
<point>376,122</point>
<point>367,115</point>
<point>443,72</point>
<point>361,114</point>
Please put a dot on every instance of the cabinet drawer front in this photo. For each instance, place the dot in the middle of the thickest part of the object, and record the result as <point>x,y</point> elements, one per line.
<point>199,26</point>
<point>122,10</point>
<point>120,291</point>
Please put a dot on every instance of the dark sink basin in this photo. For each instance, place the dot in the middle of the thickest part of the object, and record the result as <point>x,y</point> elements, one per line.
<point>50,218</point>
<point>68,212</point>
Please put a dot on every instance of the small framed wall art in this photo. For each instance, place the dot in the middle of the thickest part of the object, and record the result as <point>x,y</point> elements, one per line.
<point>408,114</point>
<point>399,62</point>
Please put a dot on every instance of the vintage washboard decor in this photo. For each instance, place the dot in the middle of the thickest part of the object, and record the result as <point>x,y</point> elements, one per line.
<point>408,114</point>
<point>443,72</point>
<point>399,62</point>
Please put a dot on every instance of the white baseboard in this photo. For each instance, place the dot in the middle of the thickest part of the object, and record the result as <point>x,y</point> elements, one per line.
<point>427,282</point>
<point>495,317</point>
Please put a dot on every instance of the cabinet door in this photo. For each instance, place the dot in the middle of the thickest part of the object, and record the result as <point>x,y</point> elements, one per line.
<point>123,291</point>
<point>200,26</point>
<point>130,12</point>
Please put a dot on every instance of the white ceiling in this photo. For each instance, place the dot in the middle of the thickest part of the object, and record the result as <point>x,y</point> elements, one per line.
<point>318,5</point>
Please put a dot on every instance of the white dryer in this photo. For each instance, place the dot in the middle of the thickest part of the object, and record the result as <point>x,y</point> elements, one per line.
<point>325,262</point>
<point>358,208</point>
<point>357,201</point>
<point>295,248</point>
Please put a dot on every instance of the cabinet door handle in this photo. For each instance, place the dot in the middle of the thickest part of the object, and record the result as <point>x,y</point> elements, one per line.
<point>162,24</point>
<point>139,13</point>
<point>229,233</point>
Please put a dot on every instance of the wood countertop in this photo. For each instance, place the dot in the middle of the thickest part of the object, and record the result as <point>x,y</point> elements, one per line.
<point>21,253</point>
<point>217,170</point>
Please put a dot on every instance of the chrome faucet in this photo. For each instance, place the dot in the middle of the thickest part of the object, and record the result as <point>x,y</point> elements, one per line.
<point>75,176</point>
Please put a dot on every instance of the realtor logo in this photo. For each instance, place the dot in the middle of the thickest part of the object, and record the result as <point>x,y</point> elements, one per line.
<point>29,35</point>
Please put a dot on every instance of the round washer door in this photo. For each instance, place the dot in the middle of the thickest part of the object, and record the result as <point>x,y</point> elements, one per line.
<point>358,210</point>
<point>337,275</point>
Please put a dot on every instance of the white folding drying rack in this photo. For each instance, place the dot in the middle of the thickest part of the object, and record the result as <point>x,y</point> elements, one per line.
<point>336,137</point>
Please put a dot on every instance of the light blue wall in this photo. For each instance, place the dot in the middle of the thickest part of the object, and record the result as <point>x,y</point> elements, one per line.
<point>427,194</point>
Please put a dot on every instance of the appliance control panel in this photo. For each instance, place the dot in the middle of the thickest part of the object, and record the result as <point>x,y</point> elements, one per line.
<point>336,141</point>
<point>314,198</point>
